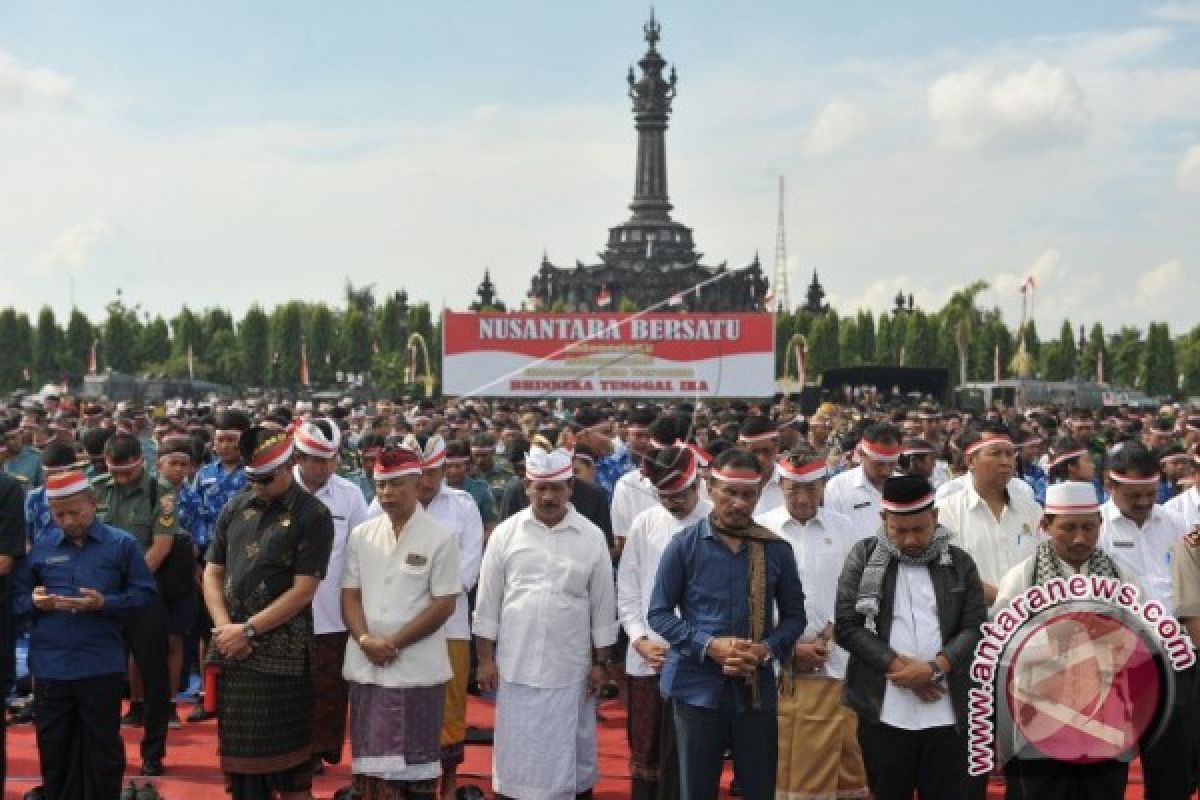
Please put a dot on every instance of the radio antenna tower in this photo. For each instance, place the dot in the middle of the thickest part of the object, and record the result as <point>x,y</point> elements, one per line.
<point>782,299</point>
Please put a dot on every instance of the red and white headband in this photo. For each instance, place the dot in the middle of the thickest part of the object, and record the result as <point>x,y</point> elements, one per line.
<point>127,466</point>
<point>1067,456</point>
<point>703,458</point>
<point>678,480</point>
<point>884,453</point>
<point>311,440</point>
<point>804,473</point>
<point>549,466</point>
<point>1133,480</point>
<point>397,462</point>
<point>753,438</point>
<point>742,476</point>
<point>271,455</point>
<point>987,440</point>
<point>67,483</point>
<point>911,507</point>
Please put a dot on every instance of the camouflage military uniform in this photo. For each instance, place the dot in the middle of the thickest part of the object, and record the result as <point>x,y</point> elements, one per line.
<point>26,467</point>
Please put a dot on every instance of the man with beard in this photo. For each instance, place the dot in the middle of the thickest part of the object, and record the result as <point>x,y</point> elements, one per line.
<point>909,607</point>
<point>672,472</point>
<point>727,599</point>
<point>269,552</point>
<point>544,619</point>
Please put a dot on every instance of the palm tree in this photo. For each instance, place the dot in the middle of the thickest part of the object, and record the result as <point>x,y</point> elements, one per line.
<point>962,318</point>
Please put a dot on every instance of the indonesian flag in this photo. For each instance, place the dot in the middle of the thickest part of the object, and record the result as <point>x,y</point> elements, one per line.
<point>92,357</point>
<point>603,297</point>
<point>303,363</point>
<point>801,362</point>
<point>1100,366</point>
<point>996,365</point>
<point>191,366</point>
<point>676,299</point>
<point>1029,285</point>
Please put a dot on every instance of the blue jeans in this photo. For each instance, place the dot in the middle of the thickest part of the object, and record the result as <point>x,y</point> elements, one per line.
<point>702,734</point>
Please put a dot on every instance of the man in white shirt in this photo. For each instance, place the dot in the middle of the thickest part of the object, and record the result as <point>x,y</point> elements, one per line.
<point>909,610</point>
<point>1141,537</point>
<point>672,472</point>
<point>546,595</point>
<point>997,526</point>
<point>1186,505</point>
<point>760,436</point>
<point>855,493</point>
<point>456,510</point>
<point>819,754</point>
<point>634,493</point>
<point>317,444</point>
<point>400,584</point>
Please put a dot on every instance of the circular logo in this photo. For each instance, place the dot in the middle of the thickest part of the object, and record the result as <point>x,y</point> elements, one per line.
<point>1083,686</point>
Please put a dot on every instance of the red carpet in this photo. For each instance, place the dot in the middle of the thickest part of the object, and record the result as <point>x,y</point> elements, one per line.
<point>192,772</point>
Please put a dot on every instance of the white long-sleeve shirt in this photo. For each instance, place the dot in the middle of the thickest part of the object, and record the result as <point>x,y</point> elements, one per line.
<point>546,596</point>
<point>1146,551</point>
<point>349,510</point>
<point>649,535</point>
<point>1186,505</point>
<point>632,495</point>
<point>996,544</point>
<point>820,546</point>
<point>852,495</point>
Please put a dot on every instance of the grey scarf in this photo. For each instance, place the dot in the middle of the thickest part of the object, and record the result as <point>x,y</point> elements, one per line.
<point>870,586</point>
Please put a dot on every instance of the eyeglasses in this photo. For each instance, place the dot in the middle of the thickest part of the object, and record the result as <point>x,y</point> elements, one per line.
<point>261,478</point>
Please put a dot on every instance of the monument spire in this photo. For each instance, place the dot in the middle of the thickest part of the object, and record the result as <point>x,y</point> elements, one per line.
<point>651,96</point>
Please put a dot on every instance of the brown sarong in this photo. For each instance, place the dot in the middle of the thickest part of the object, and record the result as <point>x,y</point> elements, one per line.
<point>330,696</point>
<point>819,754</point>
<point>454,715</point>
<point>394,732</point>
<point>264,725</point>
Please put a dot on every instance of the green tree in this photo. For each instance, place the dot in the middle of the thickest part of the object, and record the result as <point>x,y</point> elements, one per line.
<point>47,348</point>
<point>1126,349</point>
<point>848,342</point>
<point>226,364</point>
<point>866,338</point>
<point>1095,352</point>
<point>1060,358</point>
<point>1159,376</point>
<point>322,344</point>
<point>119,345</point>
<point>993,334</point>
<point>823,344</point>
<point>287,336</point>
<point>254,345</point>
<point>1188,350</point>
<point>920,340</point>
<point>392,326</point>
<point>961,321</point>
<point>16,349</point>
<point>355,342</point>
<point>186,331</point>
<point>154,343</point>
<point>885,343</point>
<point>78,344</point>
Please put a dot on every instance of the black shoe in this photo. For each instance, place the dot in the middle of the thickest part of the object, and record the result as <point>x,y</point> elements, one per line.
<point>134,716</point>
<point>39,793</point>
<point>152,769</point>
<point>128,793</point>
<point>346,793</point>
<point>318,766</point>
<point>199,715</point>
<point>22,716</point>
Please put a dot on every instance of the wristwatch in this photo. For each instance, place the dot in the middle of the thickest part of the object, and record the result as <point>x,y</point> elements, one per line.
<point>249,629</point>
<point>938,676</point>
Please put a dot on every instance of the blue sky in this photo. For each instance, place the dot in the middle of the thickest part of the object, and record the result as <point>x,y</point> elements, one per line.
<point>226,153</point>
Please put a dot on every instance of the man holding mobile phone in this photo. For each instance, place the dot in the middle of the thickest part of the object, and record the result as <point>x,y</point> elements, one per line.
<point>78,584</point>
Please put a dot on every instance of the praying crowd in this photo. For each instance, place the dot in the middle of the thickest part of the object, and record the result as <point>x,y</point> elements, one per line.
<point>799,594</point>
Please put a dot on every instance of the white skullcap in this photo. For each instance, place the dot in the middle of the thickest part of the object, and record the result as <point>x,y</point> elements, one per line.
<point>555,465</point>
<point>1071,497</point>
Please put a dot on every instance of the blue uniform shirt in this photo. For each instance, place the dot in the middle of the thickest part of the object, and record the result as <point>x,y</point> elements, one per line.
<point>26,467</point>
<point>214,485</point>
<point>1035,476</point>
<point>66,646</point>
<point>610,468</point>
<point>709,584</point>
<point>38,519</point>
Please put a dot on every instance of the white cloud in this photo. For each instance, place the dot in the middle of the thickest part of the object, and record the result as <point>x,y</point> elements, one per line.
<point>74,248</point>
<point>838,125</point>
<point>486,112</point>
<point>1178,11</point>
<point>21,85</point>
<point>1153,287</point>
<point>1044,270</point>
<point>1188,174</point>
<point>1041,106</point>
